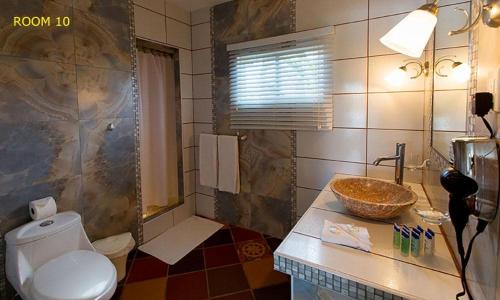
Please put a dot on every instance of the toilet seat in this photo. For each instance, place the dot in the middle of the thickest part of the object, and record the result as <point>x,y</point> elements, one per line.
<point>75,275</point>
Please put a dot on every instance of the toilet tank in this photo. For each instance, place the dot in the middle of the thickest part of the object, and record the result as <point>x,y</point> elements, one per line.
<point>33,244</point>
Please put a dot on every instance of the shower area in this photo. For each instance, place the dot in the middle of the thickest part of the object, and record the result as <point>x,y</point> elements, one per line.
<point>160,128</point>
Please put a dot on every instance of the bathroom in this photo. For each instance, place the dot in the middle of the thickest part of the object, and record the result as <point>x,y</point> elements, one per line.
<point>140,160</point>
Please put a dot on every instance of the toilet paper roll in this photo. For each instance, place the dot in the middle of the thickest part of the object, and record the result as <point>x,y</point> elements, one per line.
<point>43,208</point>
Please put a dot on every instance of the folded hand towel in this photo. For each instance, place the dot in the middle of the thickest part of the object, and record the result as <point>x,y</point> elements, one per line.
<point>229,168</point>
<point>346,235</point>
<point>208,160</point>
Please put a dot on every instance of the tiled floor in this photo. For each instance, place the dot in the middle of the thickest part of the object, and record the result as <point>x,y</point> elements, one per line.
<point>232,264</point>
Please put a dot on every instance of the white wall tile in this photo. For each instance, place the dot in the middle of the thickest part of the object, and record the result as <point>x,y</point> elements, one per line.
<point>188,162</point>
<point>448,83</point>
<point>187,111</point>
<point>187,135</point>
<point>157,225</point>
<point>203,110</point>
<point>396,110</point>
<point>154,5</point>
<point>322,13</point>
<point>186,210</point>
<point>175,12</point>
<point>201,128</point>
<point>315,173</point>
<point>349,110</point>
<point>383,143</point>
<point>381,68</point>
<point>202,61</point>
<point>339,144</point>
<point>450,110</point>
<point>305,197</point>
<point>378,28</point>
<point>185,61</point>
<point>201,36</point>
<point>201,15</point>
<point>350,40</point>
<point>450,19</point>
<point>186,86</point>
<point>200,188</point>
<point>205,206</point>
<point>149,25</point>
<point>178,34</point>
<point>379,8</point>
<point>349,76</point>
<point>202,86</point>
<point>441,141</point>
<point>385,172</point>
<point>189,183</point>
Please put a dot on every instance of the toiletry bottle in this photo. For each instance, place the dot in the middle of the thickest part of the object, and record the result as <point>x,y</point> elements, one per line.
<point>428,243</point>
<point>396,237</point>
<point>433,240</point>
<point>405,243</point>
<point>415,243</point>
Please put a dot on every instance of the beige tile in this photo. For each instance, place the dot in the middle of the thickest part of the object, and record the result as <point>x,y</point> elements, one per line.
<point>188,162</point>
<point>349,110</point>
<point>199,188</point>
<point>383,143</point>
<point>450,19</point>
<point>350,40</point>
<point>185,61</point>
<point>449,83</point>
<point>385,172</point>
<point>378,28</point>
<point>379,8</point>
<point>187,111</point>
<point>189,183</point>
<point>154,5</point>
<point>450,110</point>
<point>187,135</point>
<point>202,86</point>
<point>201,36</point>
<point>327,12</point>
<point>305,197</point>
<point>339,144</point>
<point>205,206</point>
<point>178,34</point>
<point>149,25</point>
<point>203,110</point>
<point>157,225</point>
<point>186,86</point>
<point>175,12</point>
<point>185,210</point>
<point>396,110</point>
<point>382,67</point>
<point>349,76</point>
<point>201,128</point>
<point>201,15</point>
<point>316,173</point>
<point>202,61</point>
<point>441,141</point>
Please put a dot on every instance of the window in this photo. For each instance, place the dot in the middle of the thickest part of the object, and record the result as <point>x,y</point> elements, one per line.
<point>282,82</point>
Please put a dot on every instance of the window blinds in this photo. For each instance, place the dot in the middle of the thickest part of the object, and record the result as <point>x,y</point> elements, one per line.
<point>282,85</point>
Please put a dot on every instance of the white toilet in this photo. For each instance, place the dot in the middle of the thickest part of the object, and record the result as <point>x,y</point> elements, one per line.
<point>53,259</point>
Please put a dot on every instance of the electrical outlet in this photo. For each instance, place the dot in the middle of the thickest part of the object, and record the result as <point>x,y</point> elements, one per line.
<point>494,88</point>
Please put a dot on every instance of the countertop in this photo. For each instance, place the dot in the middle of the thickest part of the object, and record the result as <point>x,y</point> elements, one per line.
<point>384,268</point>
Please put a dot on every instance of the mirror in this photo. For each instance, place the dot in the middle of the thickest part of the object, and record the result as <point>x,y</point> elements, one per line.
<point>451,74</point>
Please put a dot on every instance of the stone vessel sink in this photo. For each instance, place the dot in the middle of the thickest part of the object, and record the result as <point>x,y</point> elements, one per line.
<point>372,198</point>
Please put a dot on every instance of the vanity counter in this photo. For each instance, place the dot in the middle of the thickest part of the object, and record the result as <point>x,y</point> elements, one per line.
<point>381,274</point>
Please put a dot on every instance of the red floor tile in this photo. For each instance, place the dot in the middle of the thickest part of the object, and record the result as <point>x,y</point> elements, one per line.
<point>147,268</point>
<point>275,292</point>
<point>242,234</point>
<point>221,256</point>
<point>191,286</point>
<point>225,280</point>
<point>273,243</point>
<point>252,250</point>
<point>221,237</point>
<point>238,296</point>
<point>192,262</point>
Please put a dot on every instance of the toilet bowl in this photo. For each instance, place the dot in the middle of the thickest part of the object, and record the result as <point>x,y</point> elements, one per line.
<point>53,259</point>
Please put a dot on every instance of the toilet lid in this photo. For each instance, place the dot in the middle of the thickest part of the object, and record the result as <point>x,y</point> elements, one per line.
<point>76,275</point>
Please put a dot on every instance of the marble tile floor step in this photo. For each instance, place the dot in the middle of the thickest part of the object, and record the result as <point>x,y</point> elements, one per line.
<point>234,263</point>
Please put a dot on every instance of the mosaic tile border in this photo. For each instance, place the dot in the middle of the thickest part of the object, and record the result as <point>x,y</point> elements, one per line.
<point>330,281</point>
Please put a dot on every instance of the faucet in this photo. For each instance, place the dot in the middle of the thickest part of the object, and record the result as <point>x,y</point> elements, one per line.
<point>399,158</point>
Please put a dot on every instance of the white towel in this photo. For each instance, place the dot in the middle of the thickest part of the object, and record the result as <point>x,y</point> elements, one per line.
<point>346,235</point>
<point>229,168</point>
<point>208,160</point>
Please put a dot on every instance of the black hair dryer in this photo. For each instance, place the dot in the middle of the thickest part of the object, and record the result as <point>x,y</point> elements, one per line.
<point>473,184</point>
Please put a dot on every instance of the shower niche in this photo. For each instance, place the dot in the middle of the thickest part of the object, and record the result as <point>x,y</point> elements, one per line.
<point>160,128</point>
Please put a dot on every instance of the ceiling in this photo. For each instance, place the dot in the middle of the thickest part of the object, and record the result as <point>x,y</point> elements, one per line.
<point>191,5</point>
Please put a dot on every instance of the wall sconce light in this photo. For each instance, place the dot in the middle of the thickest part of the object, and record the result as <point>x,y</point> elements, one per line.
<point>411,34</point>
<point>459,71</point>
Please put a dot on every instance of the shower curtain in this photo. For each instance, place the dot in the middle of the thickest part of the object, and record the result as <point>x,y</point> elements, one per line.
<point>158,140</point>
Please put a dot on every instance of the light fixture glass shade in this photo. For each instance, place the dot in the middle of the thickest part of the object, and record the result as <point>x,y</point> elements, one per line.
<point>410,35</point>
